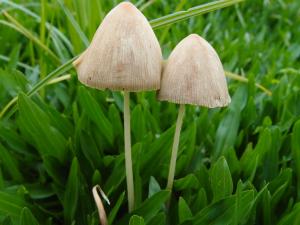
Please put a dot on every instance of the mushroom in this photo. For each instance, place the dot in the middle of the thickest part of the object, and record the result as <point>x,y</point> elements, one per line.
<point>192,75</point>
<point>124,55</point>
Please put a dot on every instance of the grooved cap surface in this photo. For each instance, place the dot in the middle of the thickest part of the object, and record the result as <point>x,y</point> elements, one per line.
<point>124,53</point>
<point>194,75</point>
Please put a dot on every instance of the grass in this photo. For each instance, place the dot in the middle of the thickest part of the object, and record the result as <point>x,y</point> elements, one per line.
<point>238,165</point>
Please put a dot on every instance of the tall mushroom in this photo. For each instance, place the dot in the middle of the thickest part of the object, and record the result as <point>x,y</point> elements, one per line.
<point>124,55</point>
<point>192,75</point>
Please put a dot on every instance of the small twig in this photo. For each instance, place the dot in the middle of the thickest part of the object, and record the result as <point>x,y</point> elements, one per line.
<point>246,80</point>
<point>101,210</point>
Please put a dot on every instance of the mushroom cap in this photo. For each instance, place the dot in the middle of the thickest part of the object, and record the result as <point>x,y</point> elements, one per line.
<point>124,53</point>
<point>194,75</point>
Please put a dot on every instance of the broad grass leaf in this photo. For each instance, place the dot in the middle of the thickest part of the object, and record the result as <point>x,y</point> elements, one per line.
<point>90,150</point>
<point>158,219</point>
<point>39,191</point>
<point>188,140</point>
<point>6,221</point>
<point>237,203</point>
<point>12,82</point>
<point>74,24</point>
<point>60,122</point>
<point>154,187</point>
<point>1,179</point>
<point>151,122</point>
<point>266,207</point>
<point>11,204</point>
<point>116,121</point>
<point>251,111</point>
<point>279,186</point>
<point>222,211</point>
<point>97,178</point>
<point>157,152</point>
<point>202,175</point>
<point>117,175</point>
<point>138,124</point>
<point>253,158</point>
<point>36,123</point>
<point>263,145</point>
<point>136,220</point>
<point>220,179</point>
<point>200,200</point>
<point>296,153</point>
<point>293,217</point>
<point>249,162</point>
<point>233,162</point>
<point>271,158</point>
<point>137,174</point>
<point>190,181</point>
<point>27,218</point>
<point>10,164</point>
<point>71,195</point>
<point>149,208</point>
<point>152,205</point>
<point>54,169</point>
<point>14,57</point>
<point>113,213</point>
<point>95,113</point>
<point>227,131</point>
<point>14,140</point>
<point>184,212</point>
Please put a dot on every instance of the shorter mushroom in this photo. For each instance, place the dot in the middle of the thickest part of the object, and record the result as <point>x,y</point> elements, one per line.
<point>192,75</point>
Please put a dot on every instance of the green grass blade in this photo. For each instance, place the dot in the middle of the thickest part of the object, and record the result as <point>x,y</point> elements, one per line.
<point>146,5</point>
<point>72,192</point>
<point>74,23</point>
<point>27,217</point>
<point>166,31</point>
<point>23,30</point>
<point>22,65</point>
<point>296,153</point>
<point>10,164</point>
<point>195,11</point>
<point>51,29</point>
<point>60,70</point>
<point>11,204</point>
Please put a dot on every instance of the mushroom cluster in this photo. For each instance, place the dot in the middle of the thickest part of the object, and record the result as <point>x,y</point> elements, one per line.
<point>125,55</point>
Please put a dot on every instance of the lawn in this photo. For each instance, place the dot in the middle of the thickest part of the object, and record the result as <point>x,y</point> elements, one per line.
<point>58,138</point>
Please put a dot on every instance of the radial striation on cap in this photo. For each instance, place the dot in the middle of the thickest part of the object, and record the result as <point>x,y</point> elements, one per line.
<point>194,75</point>
<point>124,53</point>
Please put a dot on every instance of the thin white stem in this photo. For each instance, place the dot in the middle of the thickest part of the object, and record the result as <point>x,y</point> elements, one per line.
<point>128,160</point>
<point>175,147</point>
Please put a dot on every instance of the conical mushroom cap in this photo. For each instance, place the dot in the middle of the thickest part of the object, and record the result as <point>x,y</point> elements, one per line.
<point>194,75</point>
<point>124,53</point>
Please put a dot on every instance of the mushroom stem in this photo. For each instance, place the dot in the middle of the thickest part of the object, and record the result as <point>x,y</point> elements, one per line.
<point>128,160</point>
<point>175,146</point>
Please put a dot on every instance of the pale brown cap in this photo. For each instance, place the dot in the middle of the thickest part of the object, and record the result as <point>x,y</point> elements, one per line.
<point>124,53</point>
<point>194,75</point>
